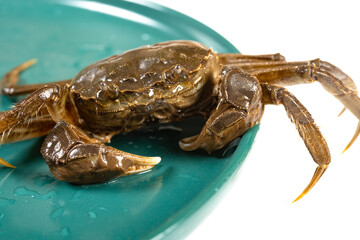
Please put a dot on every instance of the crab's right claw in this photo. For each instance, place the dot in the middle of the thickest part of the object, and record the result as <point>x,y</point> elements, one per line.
<point>6,164</point>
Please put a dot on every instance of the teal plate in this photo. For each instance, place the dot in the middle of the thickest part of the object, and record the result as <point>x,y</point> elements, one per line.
<point>166,202</point>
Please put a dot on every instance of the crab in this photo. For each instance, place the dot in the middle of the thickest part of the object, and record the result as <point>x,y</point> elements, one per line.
<point>157,84</point>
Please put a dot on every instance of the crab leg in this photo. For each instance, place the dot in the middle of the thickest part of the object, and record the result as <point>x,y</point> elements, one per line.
<point>30,129</point>
<point>236,58</point>
<point>257,68</point>
<point>6,164</point>
<point>304,123</point>
<point>257,63</point>
<point>8,84</point>
<point>330,77</point>
<point>75,157</point>
<point>37,113</point>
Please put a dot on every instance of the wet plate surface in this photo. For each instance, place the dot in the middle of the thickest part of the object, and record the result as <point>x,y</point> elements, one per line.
<point>165,202</point>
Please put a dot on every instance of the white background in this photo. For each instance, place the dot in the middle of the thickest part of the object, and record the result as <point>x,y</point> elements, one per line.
<point>258,205</point>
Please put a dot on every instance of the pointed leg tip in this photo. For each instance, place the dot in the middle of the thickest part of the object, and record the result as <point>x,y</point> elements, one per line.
<point>6,164</point>
<point>34,60</point>
<point>356,134</point>
<point>27,64</point>
<point>343,151</point>
<point>342,111</point>
<point>317,175</point>
<point>298,198</point>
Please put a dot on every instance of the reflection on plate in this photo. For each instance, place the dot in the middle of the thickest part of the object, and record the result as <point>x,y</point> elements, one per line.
<point>167,201</point>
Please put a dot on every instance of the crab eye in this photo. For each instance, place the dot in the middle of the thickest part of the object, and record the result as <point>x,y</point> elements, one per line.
<point>107,92</point>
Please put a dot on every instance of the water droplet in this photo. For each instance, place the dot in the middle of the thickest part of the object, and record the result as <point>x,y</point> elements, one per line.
<point>145,37</point>
<point>65,231</point>
<point>125,210</point>
<point>0,192</point>
<point>2,215</point>
<point>92,215</point>
<point>102,209</point>
<point>23,191</point>
<point>57,212</point>
<point>42,180</point>
<point>76,196</point>
<point>6,202</point>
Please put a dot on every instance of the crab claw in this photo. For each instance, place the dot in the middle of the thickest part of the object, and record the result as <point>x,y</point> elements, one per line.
<point>6,164</point>
<point>141,164</point>
<point>317,175</point>
<point>95,163</point>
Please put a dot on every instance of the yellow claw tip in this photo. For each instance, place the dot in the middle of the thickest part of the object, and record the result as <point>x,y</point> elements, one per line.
<point>32,61</point>
<point>342,111</point>
<point>25,65</point>
<point>347,147</point>
<point>357,132</point>
<point>317,175</point>
<point>6,164</point>
<point>298,198</point>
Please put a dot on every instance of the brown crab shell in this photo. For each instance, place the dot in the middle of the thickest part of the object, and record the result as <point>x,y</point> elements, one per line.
<point>155,83</point>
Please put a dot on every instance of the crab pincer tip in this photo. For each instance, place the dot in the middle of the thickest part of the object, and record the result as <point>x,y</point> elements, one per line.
<point>6,164</point>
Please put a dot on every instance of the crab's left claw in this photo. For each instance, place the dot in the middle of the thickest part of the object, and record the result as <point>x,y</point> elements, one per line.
<point>6,164</point>
<point>75,157</point>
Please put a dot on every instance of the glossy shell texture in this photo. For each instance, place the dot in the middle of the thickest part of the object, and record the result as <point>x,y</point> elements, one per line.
<point>158,83</point>
<point>137,70</point>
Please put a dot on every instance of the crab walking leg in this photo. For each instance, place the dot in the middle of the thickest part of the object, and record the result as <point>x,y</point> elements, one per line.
<point>49,104</point>
<point>258,67</point>
<point>53,98</point>
<point>24,131</point>
<point>30,129</point>
<point>74,157</point>
<point>304,123</point>
<point>236,58</point>
<point>6,164</point>
<point>257,63</point>
<point>8,84</point>
<point>330,77</point>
